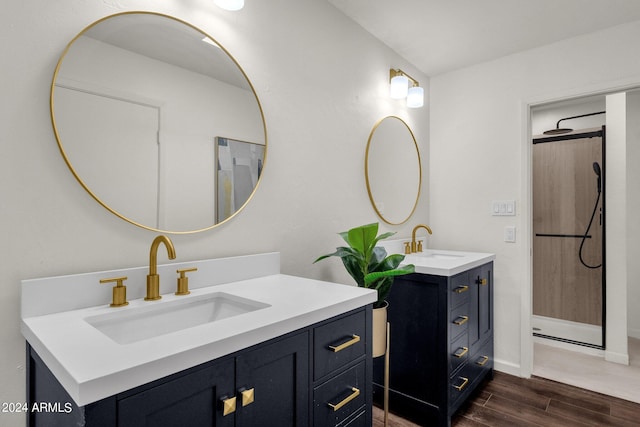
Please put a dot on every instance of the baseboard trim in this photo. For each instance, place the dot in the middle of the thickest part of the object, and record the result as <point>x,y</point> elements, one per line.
<point>611,356</point>
<point>508,368</point>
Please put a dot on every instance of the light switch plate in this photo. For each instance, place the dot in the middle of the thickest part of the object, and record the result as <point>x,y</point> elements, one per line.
<point>503,208</point>
<point>510,234</point>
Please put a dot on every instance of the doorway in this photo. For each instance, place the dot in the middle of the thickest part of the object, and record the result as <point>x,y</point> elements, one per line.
<point>568,237</point>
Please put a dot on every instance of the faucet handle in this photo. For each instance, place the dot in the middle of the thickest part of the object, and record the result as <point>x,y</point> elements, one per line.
<point>407,247</point>
<point>419,246</point>
<point>183,281</point>
<point>119,291</point>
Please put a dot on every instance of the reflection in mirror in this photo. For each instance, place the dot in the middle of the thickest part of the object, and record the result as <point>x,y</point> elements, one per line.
<point>393,170</point>
<point>137,102</point>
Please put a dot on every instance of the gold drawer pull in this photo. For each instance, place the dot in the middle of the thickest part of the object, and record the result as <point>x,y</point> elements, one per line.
<point>354,339</point>
<point>459,353</point>
<point>461,289</point>
<point>355,393</point>
<point>482,361</point>
<point>461,320</point>
<point>228,405</point>
<point>465,381</point>
<point>248,396</point>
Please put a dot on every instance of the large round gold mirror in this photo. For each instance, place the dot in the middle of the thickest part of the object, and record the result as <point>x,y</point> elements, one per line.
<point>393,170</point>
<point>158,122</point>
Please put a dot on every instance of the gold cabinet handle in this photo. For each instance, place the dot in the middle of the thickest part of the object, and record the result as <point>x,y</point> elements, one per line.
<point>461,320</point>
<point>482,361</point>
<point>248,396</point>
<point>465,381</point>
<point>354,339</point>
<point>228,405</point>
<point>481,281</point>
<point>459,353</point>
<point>461,289</point>
<point>355,393</point>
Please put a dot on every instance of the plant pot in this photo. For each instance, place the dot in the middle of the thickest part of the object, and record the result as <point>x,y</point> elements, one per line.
<point>379,341</point>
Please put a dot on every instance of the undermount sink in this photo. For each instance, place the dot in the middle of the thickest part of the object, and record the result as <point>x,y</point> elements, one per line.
<point>133,324</point>
<point>435,255</point>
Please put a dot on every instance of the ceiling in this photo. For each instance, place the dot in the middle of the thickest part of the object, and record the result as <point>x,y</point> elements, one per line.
<point>438,36</point>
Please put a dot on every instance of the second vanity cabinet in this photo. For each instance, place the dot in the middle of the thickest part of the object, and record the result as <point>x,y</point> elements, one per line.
<point>441,344</point>
<point>316,376</point>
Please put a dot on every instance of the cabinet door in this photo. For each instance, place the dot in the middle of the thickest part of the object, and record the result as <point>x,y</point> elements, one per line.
<point>481,321</point>
<point>191,400</point>
<point>276,379</point>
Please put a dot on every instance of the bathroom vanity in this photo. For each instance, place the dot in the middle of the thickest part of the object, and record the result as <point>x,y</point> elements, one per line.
<point>441,339</point>
<point>284,351</point>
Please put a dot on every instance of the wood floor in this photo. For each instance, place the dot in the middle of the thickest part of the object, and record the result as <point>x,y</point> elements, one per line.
<point>511,401</point>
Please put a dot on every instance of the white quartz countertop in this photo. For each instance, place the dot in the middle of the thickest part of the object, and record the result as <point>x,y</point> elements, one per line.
<point>446,263</point>
<point>92,366</point>
<point>436,261</point>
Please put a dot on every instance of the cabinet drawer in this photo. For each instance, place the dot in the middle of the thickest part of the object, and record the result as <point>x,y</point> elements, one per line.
<point>465,380</point>
<point>483,359</point>
<point>459,320</point>
<point>458,352</point>
<point>338,398</point>
<point>459,290</point>
<point>338,343</point>
<point>359,420</point>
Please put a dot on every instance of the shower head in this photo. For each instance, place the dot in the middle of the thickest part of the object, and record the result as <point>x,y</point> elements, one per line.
<point>598,171</point>
<point>558,130</point>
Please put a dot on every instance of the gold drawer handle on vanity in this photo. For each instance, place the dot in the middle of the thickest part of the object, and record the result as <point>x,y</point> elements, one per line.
<point>354,339</point>
<point>482,361</point>
<point>461,320</point>
<point>459,353</point>
<point>465,381</point>
<point>461,289</point>
<point>228,405</point>
<point>355,393</point>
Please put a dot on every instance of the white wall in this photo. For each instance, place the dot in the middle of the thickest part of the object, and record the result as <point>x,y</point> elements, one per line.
<point>480,130</point>
<point>323,85</point>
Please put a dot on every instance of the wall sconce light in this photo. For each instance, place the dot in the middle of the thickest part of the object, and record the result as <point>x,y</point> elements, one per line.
<point>230,4</point>
<point>399,88</point>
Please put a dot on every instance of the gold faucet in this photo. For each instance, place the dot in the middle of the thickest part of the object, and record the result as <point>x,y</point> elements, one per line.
<point>417,246</point>
<point>153,279</point>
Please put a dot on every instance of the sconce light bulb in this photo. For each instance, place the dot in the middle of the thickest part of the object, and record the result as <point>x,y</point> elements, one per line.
<point>415,97</point>
<point>399,87</point>
<point>232,5</point>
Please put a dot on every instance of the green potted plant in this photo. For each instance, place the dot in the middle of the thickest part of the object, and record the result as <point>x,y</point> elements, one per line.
<point>371,268</point>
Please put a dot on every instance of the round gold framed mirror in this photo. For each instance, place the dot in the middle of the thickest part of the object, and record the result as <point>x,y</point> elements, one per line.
<point>158,122</point>
<point>393,170</point>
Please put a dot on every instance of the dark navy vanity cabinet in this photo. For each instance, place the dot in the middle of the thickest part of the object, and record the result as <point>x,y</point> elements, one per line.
<point>441,343</point>
<point>316,376</point>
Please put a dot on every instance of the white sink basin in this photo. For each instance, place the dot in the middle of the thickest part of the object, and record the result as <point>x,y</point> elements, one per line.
<point>435,255</point>
<point>129,325</point>
<point>438,262</point>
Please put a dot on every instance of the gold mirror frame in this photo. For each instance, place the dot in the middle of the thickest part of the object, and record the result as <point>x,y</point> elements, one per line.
<point>368,172</point>
<point>80,179</point>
